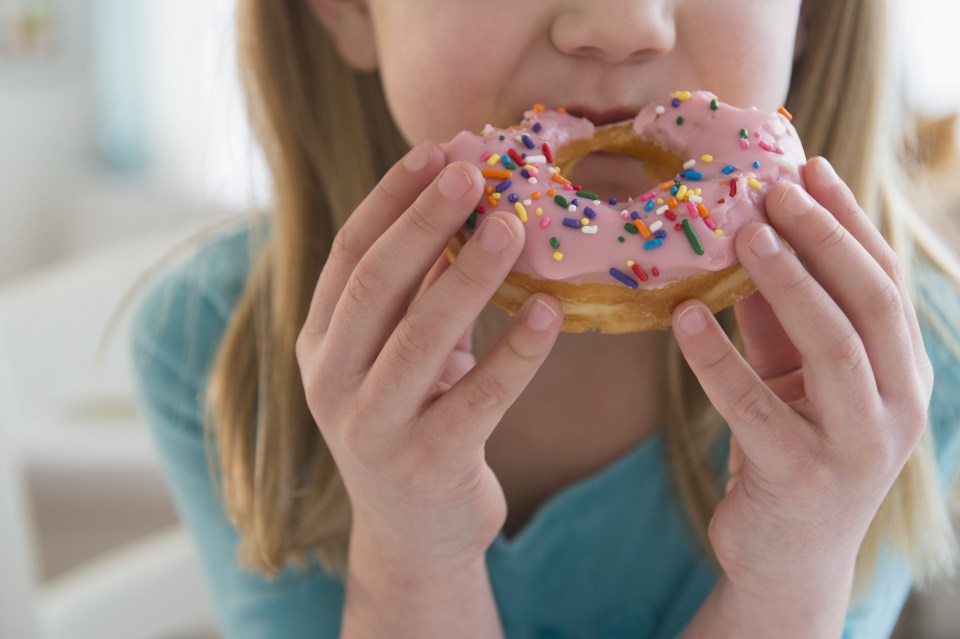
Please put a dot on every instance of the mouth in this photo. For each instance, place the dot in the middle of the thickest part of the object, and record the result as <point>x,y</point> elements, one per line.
<point>601,117</point>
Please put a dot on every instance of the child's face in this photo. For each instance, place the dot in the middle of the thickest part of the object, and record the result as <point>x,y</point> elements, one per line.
<point>450,65</point>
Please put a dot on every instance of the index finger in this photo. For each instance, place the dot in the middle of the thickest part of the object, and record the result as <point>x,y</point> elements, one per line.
<point>382,207</point>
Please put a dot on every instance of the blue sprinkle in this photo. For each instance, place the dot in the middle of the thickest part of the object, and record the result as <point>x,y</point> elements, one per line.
<point>613,201</point>
<point>536,127</point>
<point>571,222</point>
<point>728,169</point>
<point>652,244</point>
<point>674,189</point>
<point>648,206</point>
<point>590,213</point>
<point>623,278</point>
<point>503,186</point>
<point>756,164</point>
<point>661,234</point>
<point>634,215</point>
<point>513,198</point>
<point>675,102</point>
<point>575,202</point>
<point>527,141</point>
<point>694,175</point>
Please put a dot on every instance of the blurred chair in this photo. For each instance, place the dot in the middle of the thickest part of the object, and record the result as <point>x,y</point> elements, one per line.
<point>64,416</point>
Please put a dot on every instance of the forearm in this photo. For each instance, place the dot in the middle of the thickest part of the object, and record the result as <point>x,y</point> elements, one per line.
<point>392,596</point>
<point>813,610</point>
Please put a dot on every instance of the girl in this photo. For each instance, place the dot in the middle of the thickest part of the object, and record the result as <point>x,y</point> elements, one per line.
<point>428,467</point>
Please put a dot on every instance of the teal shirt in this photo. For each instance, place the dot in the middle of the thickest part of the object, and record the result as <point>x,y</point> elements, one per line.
<point>605,557</point>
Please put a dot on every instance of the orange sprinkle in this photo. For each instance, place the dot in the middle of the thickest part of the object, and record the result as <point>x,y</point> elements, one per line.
<point>672,202</point>
<point>489,190</point>
<point>666,186</point>
<point>551,192</point>
<point>703,210</point>
<point>535,195</point>
<point>495,174</point>
<point>783,111</point>
<point>644,231</point>
<point>491,201</point>
<point>538,107</point>
<point>561,110</point>
<point>556,177</point>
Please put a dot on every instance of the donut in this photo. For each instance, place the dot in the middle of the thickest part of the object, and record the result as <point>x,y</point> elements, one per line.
<point>619,267</point>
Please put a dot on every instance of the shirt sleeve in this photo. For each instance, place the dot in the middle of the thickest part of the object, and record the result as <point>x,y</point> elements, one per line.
<point>173,338</point>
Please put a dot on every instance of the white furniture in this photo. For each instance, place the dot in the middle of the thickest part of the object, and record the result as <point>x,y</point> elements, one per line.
<point>63,413</point>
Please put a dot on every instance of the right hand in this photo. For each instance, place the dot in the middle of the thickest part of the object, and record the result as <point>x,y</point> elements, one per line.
<point>404,415</point>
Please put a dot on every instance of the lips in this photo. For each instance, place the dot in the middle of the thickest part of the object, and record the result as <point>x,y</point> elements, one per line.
<point>601,117</point>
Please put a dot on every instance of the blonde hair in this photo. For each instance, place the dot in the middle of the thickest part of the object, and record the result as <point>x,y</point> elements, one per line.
<point>328,137</point>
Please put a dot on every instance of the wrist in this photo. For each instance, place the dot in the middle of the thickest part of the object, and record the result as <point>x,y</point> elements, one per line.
<point>808,607</point>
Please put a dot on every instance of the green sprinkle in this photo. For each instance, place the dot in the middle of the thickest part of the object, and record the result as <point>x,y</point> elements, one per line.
<point>744,133</point>
<point>472,220</point>
<point>631,228</point>
<point>714,105</point>
<point>692,236</point>
<point>588,195</point>
<point>680,119</point>
<point>562,201</point>
<point>621,239</point>
<point>502,138</point>
<point>554,242</point>
<point>508,164</point>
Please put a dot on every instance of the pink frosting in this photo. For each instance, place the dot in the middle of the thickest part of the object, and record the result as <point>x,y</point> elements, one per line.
<point>721,146</point>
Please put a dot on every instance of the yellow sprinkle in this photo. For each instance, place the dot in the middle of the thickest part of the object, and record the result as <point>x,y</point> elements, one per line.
<point>493,159</point>
<point>496,196</point>
<point>558,256</point>
<point>697,191</point>
<point>659,201</point>
<point>754,183</point>
<point>682,191</point>
<point>584,221</point>
<point>630,263</point>
<point>522,212</point>
<point>706,157</point>
<point>717,232</point>
<point>539,212</point>
<point>683,96</point>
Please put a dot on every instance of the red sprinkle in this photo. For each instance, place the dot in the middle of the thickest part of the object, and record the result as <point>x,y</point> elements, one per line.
<point>677,227</point>
<point>640,272</point>
<point>670,215</point>
<point>516,157</point>
<point>733,188</point>
<point>481,210</point>
<point>655,271</point>
<point>547,153</point>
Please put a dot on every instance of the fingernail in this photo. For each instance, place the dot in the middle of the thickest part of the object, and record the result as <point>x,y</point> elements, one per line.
<point>827,174</point>
<point>764,242</point>
<point>795,200</point>
<point>540,316</point>
<point>454,183</point>
<point>418,157</point>
<point>495,235</point>
<point>692,320</point>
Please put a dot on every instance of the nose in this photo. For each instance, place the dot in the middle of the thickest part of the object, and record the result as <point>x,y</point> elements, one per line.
<point>614,31</point>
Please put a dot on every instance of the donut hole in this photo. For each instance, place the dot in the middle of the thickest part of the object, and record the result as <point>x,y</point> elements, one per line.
<point>651,164</point>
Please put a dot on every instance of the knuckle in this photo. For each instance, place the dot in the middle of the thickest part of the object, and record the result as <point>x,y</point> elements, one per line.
<point>384,191</point>
<point>847,351</point>
<point>755,405</point>
<point>797,281</point>
<point>888,299</point>
<point>412,340</point>
<point>468,280</point>
<point>890,262</point>
<point>834,236</point>
<point>484,392</point>
<point>342,248</point>
<point>364,283</point>
<point>420,219</point>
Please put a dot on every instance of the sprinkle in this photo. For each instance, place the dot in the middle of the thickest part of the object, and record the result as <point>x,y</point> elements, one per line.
<point>536,159</point>
<point>544,222</point>
<point>496,174</point>
<point>562,201</point>
<point>590,213</point>
<point>538,107</point>
<point>692,236</point>
<point>587,194</point>
<point>696,176</point>
<point>661,234</point>
<point>660,110</point>
<point>696,199</point>
<point>638,270</point>
<point>536,127</point>
<point>728,169</point>
<point>656,226</point>
<point>649,195</point>
<point>556,177</point>
<point>679,120</point>
<point>548,154</point>
<point>710,224</point>
<point>631,228</point>
<point>527,141</point>
<point>621,239</point>
<point>539,212</point>
<point>744,143</point>
<point>648,206</point>
<point>714,105</point>
<point>558,256</point>
<point>652,244</point>
<point>692,209</point>
<point>623,278</point>
<point>516,157</point>
<point>644,231</point>
<point>744,134</point>
<point>513,198</point>
<point>503,186</point>
<point>590,230</point>
<point>492,201</point>
<point>704,213</point>
<point>681,192</point>
<point>672,202</point>
<point>706,158</point>
<point>584,221</point>
<point>752,181</point>
<point>689,164</point>
<point>766,146</point>
<point>493,159</point>
<point>683,95</point>
<point>756,164</point>
<point>612,201</point>
<point>663,209</point>
<point>472,220</point>
<point>670,215</point>
<point>486,156</point>
<point>554,242</point>
<point>733,187</point>
<point>655,271</point>
<point>783,111</point>
<point>675,102</point>
<point>522,212</point>
<point>571,222</point>
<point>535,195</point>
<point>508,163</point>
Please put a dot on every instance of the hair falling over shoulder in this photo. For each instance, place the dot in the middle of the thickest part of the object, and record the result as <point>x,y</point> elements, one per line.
<point>328,137</point>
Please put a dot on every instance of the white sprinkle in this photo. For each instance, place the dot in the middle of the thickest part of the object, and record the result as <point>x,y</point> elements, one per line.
<point>590,230</point>
<point>696,199</point>
<point>536,159</point>
<point>663,209</point>
<point>551,170</point>
<point>572,208</point>
<point>661,110</point>
<point>656,226</point>
<point>532,180</point>
<point>689,164</point>
<point>528,202</point>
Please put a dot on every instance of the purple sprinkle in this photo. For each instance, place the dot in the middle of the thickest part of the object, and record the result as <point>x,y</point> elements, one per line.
<point>525,173</point>
<point>503,186</point>
<point>571,222</point>
<point>623,278</point>
<point>590,213</point>
<point>613,201</point>
<point>527,141</point>
<point>661,234</point>
<point>513,198</point>
<point>675,102</point>
<point>634,215</point>
<point>536,127</point>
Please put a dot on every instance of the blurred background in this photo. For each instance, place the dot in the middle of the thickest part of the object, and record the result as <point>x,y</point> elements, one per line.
<point>122,132</point>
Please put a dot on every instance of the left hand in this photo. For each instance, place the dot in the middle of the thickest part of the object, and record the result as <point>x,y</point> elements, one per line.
<point>832,395</point>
